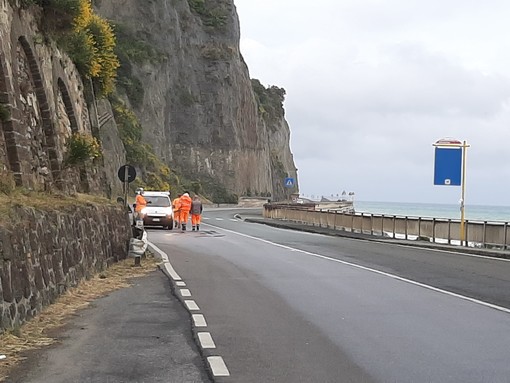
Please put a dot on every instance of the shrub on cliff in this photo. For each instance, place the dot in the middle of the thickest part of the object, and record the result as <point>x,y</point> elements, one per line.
<point>87,38</point>
<point>269,100</point>
<point>81,148</point>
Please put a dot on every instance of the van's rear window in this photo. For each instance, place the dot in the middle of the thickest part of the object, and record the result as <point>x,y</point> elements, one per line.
<point>159,201</point>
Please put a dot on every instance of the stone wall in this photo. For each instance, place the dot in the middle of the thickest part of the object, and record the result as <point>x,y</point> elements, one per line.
<point>43,253</point>
<point>43,93</point>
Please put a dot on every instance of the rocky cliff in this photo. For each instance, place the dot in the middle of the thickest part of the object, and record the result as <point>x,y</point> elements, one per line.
<point>184,76</point>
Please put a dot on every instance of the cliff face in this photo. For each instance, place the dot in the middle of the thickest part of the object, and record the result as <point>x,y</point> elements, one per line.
<point>186,80</point>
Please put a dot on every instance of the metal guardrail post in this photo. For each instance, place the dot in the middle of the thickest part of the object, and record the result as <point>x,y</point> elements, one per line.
<point>419,227</point>
<point>406,228</point>
<point>371,224</point>
<point>352,222</point>
<point>394,225</point>
<point>433,230</point>
<point>361,223</point>
<point>466,233</point>
<point>449,231</point>
<point>484,240</point>
<point>382,225</point>
<point>505,246</point>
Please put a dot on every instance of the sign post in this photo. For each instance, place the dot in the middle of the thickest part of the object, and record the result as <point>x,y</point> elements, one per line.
<point>450,170</point>
<point>126,174</point>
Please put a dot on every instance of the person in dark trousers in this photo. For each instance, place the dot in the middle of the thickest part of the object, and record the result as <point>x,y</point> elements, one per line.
<point>196,213</point>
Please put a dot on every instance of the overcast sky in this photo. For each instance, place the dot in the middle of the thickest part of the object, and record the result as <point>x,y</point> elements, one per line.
<point>372,84</point>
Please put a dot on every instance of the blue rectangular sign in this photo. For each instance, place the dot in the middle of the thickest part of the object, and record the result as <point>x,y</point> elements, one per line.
<point>289,182</point>
<point>448,166</point>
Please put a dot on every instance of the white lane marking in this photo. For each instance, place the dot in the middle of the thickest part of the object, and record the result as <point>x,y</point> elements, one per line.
<point>218,366</point>
<point>168,266</point>
<point>206,218</point>
<point>206,340</point>
<point>192,305</point>
<point>436,289</point>
<point>233,220</point>
<point>180,284</point>
<point>199,320</point>
<point>219,219</point>
<point>185,293</point>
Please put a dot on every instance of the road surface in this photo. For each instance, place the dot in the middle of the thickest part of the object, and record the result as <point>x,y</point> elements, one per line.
<point>284,306</point>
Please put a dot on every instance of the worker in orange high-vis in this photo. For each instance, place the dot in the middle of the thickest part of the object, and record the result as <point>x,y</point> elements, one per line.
<point>140,203</point>
<point>196,213</point>
<point>176,205</point>
<point>185,202</point>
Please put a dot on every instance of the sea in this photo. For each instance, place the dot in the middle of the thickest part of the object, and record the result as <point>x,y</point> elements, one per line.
<point>434,210</point>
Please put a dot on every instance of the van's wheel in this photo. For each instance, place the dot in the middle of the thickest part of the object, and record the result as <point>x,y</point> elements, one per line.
<point>171,225</point>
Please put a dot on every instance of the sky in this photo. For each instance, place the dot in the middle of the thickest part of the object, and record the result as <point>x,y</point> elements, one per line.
<point>372,84</point>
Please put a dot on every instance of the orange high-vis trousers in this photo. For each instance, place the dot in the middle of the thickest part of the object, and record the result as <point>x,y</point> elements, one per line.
<point>195,219</point>
<point>177,216</point>
<point>184,215</point>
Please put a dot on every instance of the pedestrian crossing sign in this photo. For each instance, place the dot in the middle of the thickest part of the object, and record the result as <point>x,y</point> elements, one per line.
<point>289,182</point>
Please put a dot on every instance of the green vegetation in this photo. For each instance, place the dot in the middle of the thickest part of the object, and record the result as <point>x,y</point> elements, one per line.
<point>155,173</point>
<point>85,36</point>
<point>212,17</point>
<point>81,149</point>
<point>269,100</point>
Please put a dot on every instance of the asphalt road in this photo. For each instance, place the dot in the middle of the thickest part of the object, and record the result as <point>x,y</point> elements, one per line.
<point>139,334</point>
<point>285,306</point>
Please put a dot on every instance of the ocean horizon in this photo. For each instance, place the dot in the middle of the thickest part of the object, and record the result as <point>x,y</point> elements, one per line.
<point>435,210</point>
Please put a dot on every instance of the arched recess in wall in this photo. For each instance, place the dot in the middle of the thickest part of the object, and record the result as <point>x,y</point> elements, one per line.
<point>9,149</point>
<point>49,144</point>
<point>68,105</point>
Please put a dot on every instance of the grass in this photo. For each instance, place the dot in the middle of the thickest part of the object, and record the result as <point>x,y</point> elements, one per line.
<point>47,201</point>
<point>33,335</point>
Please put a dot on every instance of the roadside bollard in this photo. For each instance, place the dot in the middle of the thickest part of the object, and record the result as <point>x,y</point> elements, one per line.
<point>138,261</point>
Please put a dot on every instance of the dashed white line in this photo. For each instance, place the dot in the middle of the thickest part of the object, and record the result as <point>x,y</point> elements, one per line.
<point>206,218</point>
<point>218,366</point>
<point>219,219</point>
<point>199,320</point>
<point>192,305</point>
<point>206,340</point>
<point>180,283</point>
<point>185,293</point>
<point>233,220</point>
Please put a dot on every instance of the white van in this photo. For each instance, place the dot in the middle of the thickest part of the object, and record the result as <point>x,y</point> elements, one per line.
<point>159,211</point>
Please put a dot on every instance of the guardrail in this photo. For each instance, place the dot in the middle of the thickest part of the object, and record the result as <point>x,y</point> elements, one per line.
<point>489,234</point>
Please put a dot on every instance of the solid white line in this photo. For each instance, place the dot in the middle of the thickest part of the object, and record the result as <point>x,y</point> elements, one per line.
<point>168,266</point>
<point>192,305</point>
<point>206,340</point>
<point>185,293</point>
<point>199,320</point>
<point>180,283</point>
<point>218,366</point>
<point>479,302</point>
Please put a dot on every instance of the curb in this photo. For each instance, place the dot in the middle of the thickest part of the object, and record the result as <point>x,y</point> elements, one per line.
<point>213,363</point>
<point>371,238</point>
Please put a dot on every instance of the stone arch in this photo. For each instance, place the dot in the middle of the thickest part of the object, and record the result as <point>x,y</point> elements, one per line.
<point>68,104</point>
<point>48,139</point>
<point>9,150</point>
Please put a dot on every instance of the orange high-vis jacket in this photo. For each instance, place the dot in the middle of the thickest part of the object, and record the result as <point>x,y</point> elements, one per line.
<point>176,204</point>
<point>185,202</point>
<point>140,203</point>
